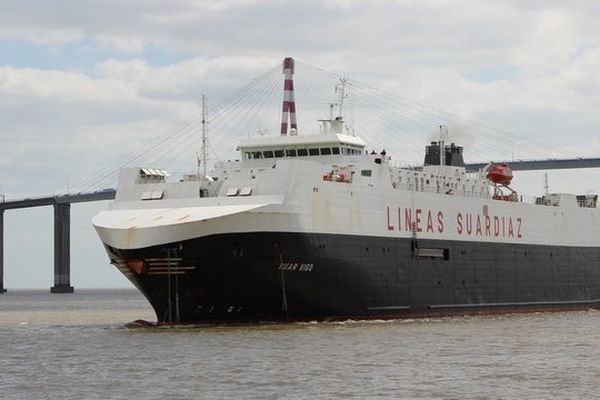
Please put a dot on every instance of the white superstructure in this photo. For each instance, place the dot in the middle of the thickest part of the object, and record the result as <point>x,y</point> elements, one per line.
<point>328,184</point>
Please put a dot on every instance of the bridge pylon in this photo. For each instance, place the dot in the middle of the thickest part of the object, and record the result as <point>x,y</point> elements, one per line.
<point>62,253</point>
<point>2,289</point>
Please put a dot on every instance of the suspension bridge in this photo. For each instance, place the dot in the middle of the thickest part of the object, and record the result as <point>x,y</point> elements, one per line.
<point>391,122</point>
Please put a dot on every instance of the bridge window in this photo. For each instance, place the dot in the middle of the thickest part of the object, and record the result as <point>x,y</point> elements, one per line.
<point>325,151</point>
<point>256,154</point>
<point>268,154</point>
<point>148,175</point>
<point>335,150</point>
<point>290,153</point>
<point>302,152</point>
<point>313,152</point>
<point>278,153</point>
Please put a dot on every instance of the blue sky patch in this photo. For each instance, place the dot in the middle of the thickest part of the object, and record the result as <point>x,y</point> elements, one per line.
<point>81,55</point>
<point>491,74</point>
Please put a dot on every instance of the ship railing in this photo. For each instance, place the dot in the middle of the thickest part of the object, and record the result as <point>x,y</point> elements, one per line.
<point>526,199</point>
<point>432,189</point>
<point>543,201</point>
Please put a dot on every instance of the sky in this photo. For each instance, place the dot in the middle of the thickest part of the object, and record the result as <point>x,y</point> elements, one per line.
<point>84,83</point>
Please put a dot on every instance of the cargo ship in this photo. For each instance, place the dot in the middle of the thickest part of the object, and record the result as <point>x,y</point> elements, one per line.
<point>318,227</point>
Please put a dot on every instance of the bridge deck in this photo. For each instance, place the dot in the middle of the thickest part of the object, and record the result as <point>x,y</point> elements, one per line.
<point>536,165</point>
<point>107,194</point>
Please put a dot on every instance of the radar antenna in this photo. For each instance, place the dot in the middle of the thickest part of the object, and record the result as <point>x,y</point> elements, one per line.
<point>335,123</point>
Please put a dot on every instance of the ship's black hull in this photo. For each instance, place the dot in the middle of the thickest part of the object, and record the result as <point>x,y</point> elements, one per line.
<point>263,276</point>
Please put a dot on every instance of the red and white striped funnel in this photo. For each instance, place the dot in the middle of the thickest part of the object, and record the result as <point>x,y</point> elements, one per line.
<point>288,111</point>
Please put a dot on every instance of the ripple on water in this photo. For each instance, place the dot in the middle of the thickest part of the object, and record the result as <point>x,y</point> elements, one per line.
<point>79,347</point>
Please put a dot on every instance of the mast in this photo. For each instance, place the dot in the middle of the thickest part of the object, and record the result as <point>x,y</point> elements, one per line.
<point>288,111</point>
<point>204,136</point>
<point>335,123</point>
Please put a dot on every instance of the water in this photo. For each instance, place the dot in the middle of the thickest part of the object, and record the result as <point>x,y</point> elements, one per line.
<point>76,347</point>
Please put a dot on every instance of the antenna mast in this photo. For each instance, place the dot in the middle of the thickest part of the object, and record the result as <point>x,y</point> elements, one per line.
<point>288,111</point>
<point>204,136</point>
<point>335,123</point>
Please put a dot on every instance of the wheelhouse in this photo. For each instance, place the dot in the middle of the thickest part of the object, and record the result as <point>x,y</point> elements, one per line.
<point>301,146</point>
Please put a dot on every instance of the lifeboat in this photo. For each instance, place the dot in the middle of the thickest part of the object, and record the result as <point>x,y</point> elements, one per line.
<point>499,173</point>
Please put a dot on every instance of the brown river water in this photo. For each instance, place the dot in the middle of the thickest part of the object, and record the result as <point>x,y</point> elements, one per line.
<point>76,346</point>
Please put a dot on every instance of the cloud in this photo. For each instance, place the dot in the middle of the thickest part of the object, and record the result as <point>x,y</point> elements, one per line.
<point>61,86</point>
<point>187,79</point>
<point>68,123</point>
